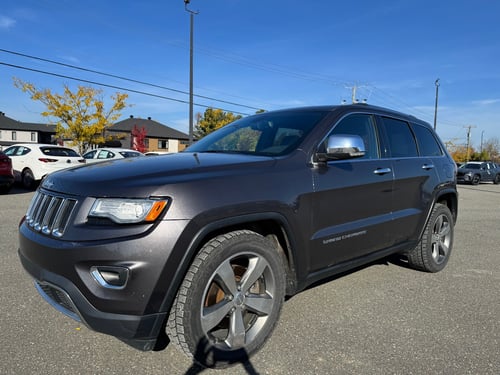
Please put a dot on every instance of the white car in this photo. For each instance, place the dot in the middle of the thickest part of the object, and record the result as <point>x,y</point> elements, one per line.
<point>33,161</point>
<point>103,154</point>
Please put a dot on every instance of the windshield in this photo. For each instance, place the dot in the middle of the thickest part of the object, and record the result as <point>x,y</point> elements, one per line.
<point>268,134</point>
<point>471,166</point>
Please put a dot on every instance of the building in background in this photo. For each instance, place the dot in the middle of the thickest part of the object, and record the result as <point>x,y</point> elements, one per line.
<point>159,137</point>
<point>13,131</point>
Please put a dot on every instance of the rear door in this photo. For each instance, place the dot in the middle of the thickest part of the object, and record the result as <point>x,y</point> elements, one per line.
<point>351,204</point>
<point>415,177</point>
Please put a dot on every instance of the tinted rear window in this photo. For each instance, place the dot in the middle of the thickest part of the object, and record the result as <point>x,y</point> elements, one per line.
<point>427,143</point>
<point>58,151</point>
<point>401,140</point>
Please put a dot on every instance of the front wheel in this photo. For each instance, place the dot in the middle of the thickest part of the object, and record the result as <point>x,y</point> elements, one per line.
<point>229,301</point>
<point>433,251</point>
<point>475,179</point>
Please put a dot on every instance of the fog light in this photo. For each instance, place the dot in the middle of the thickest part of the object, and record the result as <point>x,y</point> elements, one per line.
<point>111,277</point>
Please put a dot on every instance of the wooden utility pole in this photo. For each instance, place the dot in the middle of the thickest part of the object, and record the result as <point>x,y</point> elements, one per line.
<point>468,127</point>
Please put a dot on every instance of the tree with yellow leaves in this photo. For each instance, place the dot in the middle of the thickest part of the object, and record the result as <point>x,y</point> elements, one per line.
<point>80,115</point>
<point>212,120</point>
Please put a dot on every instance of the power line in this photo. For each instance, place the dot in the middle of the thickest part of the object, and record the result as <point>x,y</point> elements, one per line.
<point>274,68</point>
<point>113,86</point>
<point>123,78</point>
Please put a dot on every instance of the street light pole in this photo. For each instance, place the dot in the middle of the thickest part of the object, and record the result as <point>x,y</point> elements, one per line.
<point>436,104</point>
<point>191,27</point>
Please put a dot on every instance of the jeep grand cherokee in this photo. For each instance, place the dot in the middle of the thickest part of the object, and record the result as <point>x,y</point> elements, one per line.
<point>205,244</point>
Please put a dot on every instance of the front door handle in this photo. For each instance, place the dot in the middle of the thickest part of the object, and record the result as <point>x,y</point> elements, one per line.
<point>428,166</point>
<point>382,170</point>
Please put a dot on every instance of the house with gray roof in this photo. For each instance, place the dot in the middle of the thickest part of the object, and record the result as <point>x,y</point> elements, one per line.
<point>13,131</point>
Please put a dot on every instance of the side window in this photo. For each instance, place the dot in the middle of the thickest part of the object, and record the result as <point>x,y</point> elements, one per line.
<point>401,140</point>
<point>427,143</point>
<point>11,151</point>
<point>364,126</point>
<point>103,154</point>
<point>22,150</point>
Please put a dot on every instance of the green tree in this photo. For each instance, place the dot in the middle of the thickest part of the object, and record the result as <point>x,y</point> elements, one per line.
<point>212,120</point>
<point>80,115</point>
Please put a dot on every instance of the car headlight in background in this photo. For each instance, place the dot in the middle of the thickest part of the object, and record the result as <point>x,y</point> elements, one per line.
<point>128,211</point>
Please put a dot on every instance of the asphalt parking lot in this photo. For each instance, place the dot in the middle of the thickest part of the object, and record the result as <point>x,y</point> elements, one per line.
<point>382,319</point>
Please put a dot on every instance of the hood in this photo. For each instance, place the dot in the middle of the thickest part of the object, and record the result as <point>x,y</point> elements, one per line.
<point>144,176</point>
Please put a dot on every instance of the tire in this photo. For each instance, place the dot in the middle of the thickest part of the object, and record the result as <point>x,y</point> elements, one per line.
<point>230,300</point>
<point>28,179</point>
<point>434,249</point>
<point>475,179</point>
<point>496,180</point>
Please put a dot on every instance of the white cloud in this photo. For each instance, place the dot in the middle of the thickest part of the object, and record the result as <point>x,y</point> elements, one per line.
<point>6,22</point>
<point>486,101</point>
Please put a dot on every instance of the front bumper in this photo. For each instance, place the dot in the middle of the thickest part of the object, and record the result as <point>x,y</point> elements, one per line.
<point>134,312</point>
<point>141,332</point>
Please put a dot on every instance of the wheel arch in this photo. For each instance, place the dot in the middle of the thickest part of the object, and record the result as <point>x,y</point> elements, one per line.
<point>271,225</point>
<point>450,199</point>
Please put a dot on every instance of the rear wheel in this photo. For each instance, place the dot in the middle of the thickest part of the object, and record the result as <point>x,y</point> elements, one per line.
<point>496,180</point>
<point>433,251</point>
<point>229,301</point>
<point>28,179</point>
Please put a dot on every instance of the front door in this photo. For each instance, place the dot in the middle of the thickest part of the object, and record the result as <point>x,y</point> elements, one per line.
<point>352,200</point>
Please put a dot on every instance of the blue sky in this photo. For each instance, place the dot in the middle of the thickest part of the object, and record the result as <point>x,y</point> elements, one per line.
<point>252,54</point>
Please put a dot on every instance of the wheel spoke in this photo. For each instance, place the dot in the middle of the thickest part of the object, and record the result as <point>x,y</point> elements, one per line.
<point>259,304</point>
<point>444,249</point>
<point>213,315</point>
<point>444,230</point>
<point>255,270</point>
<point>236,336</point>
<point>438,225</point>
<point>225,278</point>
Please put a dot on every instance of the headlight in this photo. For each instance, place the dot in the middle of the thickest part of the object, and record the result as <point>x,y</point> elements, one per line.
<point>128,211</point>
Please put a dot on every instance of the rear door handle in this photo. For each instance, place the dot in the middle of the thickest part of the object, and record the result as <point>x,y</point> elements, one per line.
<point>382,170</point>
<point>428,166</point>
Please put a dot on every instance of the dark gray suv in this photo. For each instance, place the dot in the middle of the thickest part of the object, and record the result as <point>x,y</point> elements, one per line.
<point>203,246</point>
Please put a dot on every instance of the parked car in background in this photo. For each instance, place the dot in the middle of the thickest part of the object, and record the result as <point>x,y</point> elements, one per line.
<point>33,161</point>
<point>103,154</point>
<point>475,172</point>
<point>6,173</point>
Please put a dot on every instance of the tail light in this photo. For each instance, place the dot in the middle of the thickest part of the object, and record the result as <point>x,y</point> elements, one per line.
<point>47,160</point>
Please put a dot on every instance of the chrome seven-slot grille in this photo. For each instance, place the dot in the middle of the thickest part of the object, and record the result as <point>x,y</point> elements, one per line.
<point>49,214</point>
